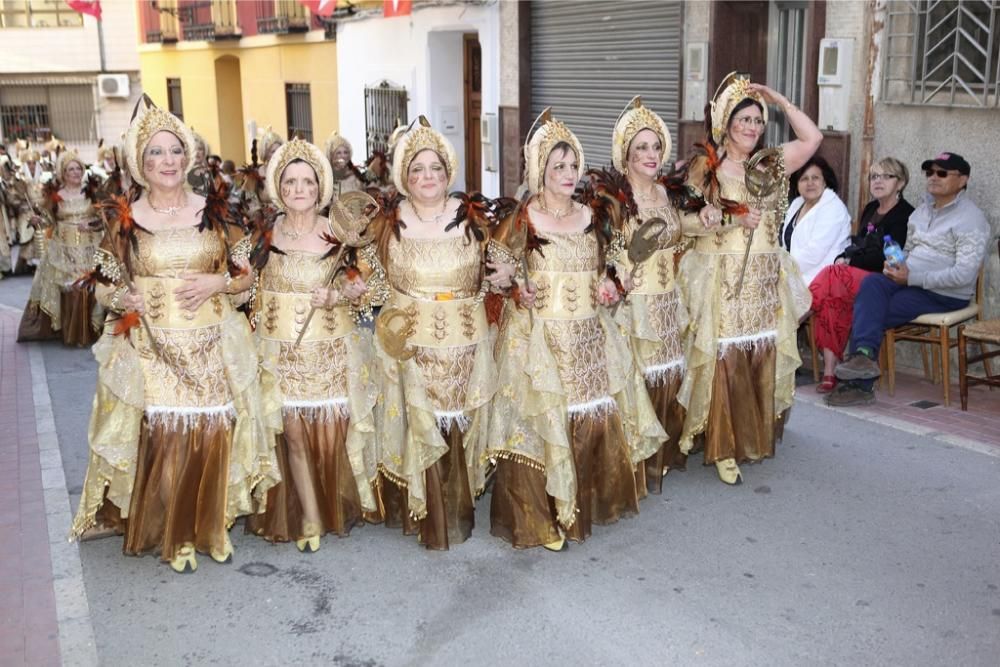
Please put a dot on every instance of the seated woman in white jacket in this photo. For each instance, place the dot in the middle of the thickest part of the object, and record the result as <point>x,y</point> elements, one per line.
<point>817,226</point>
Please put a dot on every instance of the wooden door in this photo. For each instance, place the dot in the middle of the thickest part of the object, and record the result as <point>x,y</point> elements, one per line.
<point>473,111</point>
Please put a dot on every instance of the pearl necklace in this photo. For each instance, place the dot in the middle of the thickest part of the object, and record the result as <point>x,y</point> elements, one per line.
<point>558,213</point>
<point>295,235</point>
<point>170,210</point>
<point>648,196</point>
<point>436,218</point>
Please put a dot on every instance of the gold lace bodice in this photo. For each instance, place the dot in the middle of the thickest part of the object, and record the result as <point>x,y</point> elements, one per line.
<point>167,253</point>
<point>422,268</point>
<point>670,236</point>
<point>576,251</point>
<point>733,238</point>
<point>76,210</point>
<point>296,271</point>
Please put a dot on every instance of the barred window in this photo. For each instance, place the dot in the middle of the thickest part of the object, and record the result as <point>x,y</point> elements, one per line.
<point>38,14</point>
<point>385,108</point>
<point>298,106</point>
<point>175,104</point>
<point>37,112</point>
<point>942,53</point>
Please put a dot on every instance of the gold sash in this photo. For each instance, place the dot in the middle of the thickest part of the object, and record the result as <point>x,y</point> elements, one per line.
<point>445,323</point>
<point>165,312</point>
<point>282,315</point>
<point>69,234</point>
<point>565,295</point>
<point>656,274</point>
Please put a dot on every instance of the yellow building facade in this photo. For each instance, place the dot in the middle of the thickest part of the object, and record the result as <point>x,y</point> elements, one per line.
<point>220,85</point>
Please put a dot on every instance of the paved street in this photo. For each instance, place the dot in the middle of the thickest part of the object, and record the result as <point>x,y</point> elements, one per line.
<point>859,544</point>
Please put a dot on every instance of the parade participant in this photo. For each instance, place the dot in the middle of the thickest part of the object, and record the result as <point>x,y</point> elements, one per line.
<point>571,416</point>
<point>326,385</point>
<point>653,313</point>
<point>346,176</point>
<point>8,231</point>
<point>741,352</point>
<point>817,226</point>
<point>177,438</point>
<point>436,389</point>
<point>56,303</point>
<point>29,201</point>
<point>834,289</point>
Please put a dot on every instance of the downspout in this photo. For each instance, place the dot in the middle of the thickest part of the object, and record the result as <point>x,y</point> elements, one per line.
<point>874,24</point>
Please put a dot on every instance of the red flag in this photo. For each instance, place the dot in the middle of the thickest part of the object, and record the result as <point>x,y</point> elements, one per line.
<point>397,7</point>
<point>320,7</point>
<point>91,7</point>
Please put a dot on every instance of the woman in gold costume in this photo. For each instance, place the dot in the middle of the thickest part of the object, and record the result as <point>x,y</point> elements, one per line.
<point>346,175</point>
<point>27,195</point>
<point>178,445</point>
<point>325,385</point>
<point>56,304</point>
<point>571,417</point>
<point>653,313</point>
<point>741,351</point>
<point>438,382</point>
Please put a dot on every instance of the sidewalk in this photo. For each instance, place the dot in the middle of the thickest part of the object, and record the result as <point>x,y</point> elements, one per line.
<point>918,407</point>
<point>44,615</point>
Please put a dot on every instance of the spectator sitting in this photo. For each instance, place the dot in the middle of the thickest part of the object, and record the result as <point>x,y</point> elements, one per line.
<point>946,242</point>
<point>817,226</point>
<point>834,289</point>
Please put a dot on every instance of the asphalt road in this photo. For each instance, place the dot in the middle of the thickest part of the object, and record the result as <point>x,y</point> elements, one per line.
<point>858,545</point>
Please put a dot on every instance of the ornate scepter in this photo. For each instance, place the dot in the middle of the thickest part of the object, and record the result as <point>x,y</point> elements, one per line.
<point>352,232</point>
<point>762,176</point>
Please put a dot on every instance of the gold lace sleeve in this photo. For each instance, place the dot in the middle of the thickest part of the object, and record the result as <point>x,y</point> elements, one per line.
<point>378,284</point>
<point>240,251</point>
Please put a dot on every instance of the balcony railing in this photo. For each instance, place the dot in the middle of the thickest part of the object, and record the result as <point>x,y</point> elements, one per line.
<point>281,16</point>
<point>209,20</point>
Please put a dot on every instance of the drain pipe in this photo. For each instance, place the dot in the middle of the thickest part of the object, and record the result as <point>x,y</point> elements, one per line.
<point>875,11</point>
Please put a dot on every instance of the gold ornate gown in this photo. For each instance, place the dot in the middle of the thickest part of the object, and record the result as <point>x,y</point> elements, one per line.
<point>571,417</point>
<point>69,309</point>
<point>741,351</point>
<point>326,388</point>
<point>178,438</point>
<point>435,406</point>
<point>655,318</point>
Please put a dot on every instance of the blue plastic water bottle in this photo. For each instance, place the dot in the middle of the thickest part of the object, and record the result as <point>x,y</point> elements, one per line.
<point>894,255</point>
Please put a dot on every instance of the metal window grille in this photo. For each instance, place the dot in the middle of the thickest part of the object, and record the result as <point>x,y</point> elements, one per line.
<point>175,103</point>
<point>385,108</point>
<point>281,16</point>
<point>942,53</point>
<point>298,106</point>
<point>38,14</point>
<point>209,19</point>
<point>786,63</point>
<point>37,112</point>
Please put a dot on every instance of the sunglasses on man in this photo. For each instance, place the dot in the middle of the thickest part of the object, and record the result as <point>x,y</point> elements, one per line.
<point>940,173</point>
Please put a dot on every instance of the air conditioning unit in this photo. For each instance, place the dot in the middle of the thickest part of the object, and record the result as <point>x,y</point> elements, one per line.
<point>113,85</point>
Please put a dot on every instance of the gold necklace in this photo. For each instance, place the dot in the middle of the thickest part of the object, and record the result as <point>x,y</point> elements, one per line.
<point>436,218</point>
<point>295,235</point>
<point>170,210</point>
<point>558,213</point>
<point>649,196</point>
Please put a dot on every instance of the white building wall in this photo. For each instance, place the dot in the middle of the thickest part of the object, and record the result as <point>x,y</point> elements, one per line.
<point>399,49</point>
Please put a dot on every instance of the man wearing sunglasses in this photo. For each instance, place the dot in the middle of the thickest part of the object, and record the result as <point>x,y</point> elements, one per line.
<point>945,245</point>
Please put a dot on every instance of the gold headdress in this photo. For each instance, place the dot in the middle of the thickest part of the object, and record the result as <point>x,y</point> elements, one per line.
<point>536,150</point>
<point>297,149</point>
<point>54,145</point>
<point>634,119</point>
<point>147,120</point>
<point>733,90</point>
<point>395,135</point>
<point>105,152</point>
<point>28,154</point>
<point>65,158</point>
<point>265,139</point>
<point>419,138</point>
<point>335,141</point>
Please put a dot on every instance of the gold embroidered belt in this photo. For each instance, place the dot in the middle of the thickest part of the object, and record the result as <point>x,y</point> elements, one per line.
<point>565,295</point>
<point>656,274</point>
<point>164,311</point>
<point>69,234</point>
<point>444,323</point>
<point>282,315</point>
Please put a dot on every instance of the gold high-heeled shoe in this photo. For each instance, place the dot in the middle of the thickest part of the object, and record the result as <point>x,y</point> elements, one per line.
<point>226,555</point>
<point>184,562</point>
<point>728,471</point>
<point>309,543</point>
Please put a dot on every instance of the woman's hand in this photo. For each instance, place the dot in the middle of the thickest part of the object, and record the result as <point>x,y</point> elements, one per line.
<point>198,288</point>
<point>133,301</point>
<point>325,297</point>
<point>502,274</point>
<point>841,260</point>
<point>607,292</point>
<point>528,292</point>
<point>750,220</point>
<point>710,216</point>
<point>770,95</point>
<point>354,289</point>
<point>627,283</point>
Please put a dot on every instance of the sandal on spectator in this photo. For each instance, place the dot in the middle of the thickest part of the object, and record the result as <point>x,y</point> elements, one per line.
<point>828,384</point>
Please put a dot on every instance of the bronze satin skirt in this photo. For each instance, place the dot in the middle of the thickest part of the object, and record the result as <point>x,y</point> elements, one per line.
<point>75,308</point>
<point>331,479</point>
<point>671,415</point>
<point>524,514</point>
<point>451,509</point>
<point>742,424</point>
<point>180,488</point>
<point>35,325</point>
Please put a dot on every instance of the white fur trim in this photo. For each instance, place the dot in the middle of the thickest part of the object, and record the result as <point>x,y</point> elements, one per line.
<point>747,342</point>
<point>334,408</point>
<point>660,373</point>
<point>184,417</point>
<point>446,420</point>
<point>599,406</point>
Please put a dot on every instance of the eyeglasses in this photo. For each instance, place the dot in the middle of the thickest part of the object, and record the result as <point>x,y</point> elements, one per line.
<point>881,177</point>
<point>940,173</point>
<point>749,121</point>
